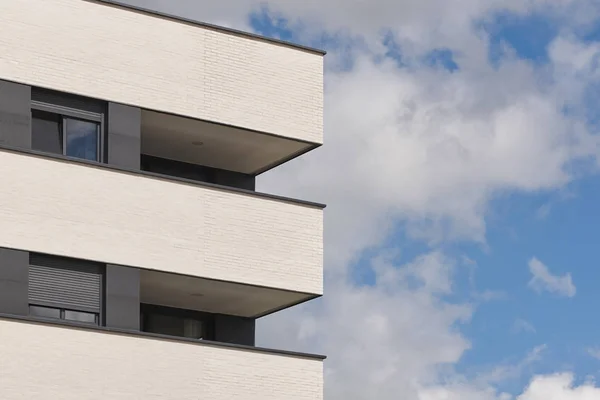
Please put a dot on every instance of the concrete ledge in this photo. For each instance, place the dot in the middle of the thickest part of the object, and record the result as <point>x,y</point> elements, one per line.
<point>160,176</point>
<point>212,26</point>
<point>75,325</point>
<point>56,361</point>
<point>158,223</point>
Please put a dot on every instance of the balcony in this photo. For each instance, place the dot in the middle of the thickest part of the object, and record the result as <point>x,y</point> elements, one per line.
<point>228,92</point>
<point>223,147</point>
<point>255,253</point>
<point>101,364</point>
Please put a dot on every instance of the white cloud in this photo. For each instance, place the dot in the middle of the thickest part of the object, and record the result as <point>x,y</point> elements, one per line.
<point>425,150</point>
<point>543,211</point>
<point>480,388</point>
<point>521,325</point>
<point>594,352</point>
<point>543,280</point>
<point>504,372</point>
<point>397,332</point>
<point>559,387</point>
<point>549,387</point>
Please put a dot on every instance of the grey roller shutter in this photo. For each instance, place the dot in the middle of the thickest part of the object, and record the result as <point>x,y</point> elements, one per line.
<point>68,288</point>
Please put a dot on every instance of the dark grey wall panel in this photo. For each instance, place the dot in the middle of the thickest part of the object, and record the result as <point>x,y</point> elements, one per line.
<point>235,179</point>
<point>15,115</point>
<point>122,300</point>
<point>178,169</point>
<point>124,135</point>
<point>196,172</point>
<point>235,330</point>
<point>14,274</point>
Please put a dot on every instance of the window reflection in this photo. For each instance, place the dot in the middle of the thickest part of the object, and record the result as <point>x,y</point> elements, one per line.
<point>60,313</point>
<point>82,139</point>
<point>46,312</point>
<point>80,316</point>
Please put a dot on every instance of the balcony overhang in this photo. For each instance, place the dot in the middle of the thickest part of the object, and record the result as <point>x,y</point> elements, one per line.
<point>214,296</point>
<point>216,145</point>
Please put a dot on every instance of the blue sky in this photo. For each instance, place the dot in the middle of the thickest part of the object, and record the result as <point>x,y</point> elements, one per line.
<point>559,227</point>
<point>564,240</point>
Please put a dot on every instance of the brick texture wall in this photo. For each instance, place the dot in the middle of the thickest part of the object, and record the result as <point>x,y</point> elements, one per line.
<point>65,208</point>
<point>73,364</point>
<point>128,57</point>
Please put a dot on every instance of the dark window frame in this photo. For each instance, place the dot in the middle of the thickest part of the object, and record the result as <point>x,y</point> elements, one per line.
<point>62,314</point>
<point>65,113</point>
<point>205,318</point>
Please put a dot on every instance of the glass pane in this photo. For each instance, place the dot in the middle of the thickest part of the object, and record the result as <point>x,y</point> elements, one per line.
<point>46,132</point>
<point>82,139</point>
<point>46,312</point>
<point>80,316</point>
<point>193,329</point>
<point>163,324</point>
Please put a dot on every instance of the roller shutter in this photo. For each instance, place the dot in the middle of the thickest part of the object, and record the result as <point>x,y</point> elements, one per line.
<point>56,284</point>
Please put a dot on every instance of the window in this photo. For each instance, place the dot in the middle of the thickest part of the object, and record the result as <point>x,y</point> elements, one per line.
<point>69,315</point>
<point>66,131</point>
<point>176,322</point>
<point>65,289</point>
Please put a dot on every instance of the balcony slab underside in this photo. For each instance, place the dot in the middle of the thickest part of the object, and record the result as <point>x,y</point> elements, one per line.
<point>216,145</point>
<point>219,297</point>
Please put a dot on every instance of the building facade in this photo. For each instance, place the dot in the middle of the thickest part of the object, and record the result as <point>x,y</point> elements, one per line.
<point>135,252</point>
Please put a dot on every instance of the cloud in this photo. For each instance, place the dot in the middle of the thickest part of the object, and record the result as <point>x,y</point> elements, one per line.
<point>549,387</point>
<point>543,280</point>
<point>417,153</point>
<point>559,387</point>
<point>522,326</point>
<point>543,211</point>
<point>594,352</point>
<point>480,387</point>
<point>505,372</point>
<point>396,331</point>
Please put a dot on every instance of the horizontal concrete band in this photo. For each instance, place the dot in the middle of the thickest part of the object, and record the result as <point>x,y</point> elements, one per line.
<point>75,325</point>
<point>137,171</point>
<point>158,223</point>
<point>97,364</point>
<point>126,56</point>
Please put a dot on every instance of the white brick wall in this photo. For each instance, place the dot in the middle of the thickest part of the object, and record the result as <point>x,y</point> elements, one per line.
<point>114,54</point>
<point>64,208</point>
<point>48,362</point>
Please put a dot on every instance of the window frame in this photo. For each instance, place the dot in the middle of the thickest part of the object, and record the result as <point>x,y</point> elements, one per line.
<point>66,112</point>
<point>62,312</point>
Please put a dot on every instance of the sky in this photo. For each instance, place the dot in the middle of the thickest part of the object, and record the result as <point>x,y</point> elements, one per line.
<point>460,170</point>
